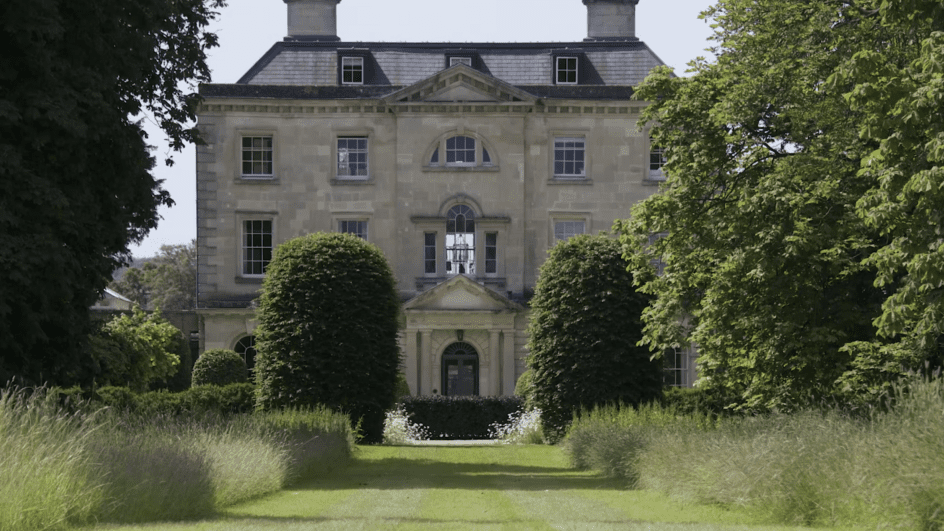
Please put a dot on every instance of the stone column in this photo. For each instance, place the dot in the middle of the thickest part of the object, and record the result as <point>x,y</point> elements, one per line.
<point>410,362</point>
<point>494,365</point>
<point>508,362</point>
<point>427,384</point>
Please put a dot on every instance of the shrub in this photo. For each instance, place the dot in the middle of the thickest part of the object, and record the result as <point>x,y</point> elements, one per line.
<point>135,350</point>
<point>524,388</point>
<point>584,333</point>
<point>328,322</point>
<point>219,367</point>
<point>459,417</point>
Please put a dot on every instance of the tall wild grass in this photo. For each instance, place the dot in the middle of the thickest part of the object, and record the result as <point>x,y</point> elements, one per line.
<point>812,467</point>
<point>59,469</point>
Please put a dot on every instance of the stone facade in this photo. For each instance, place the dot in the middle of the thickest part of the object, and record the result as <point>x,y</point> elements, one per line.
<point>401,143</point>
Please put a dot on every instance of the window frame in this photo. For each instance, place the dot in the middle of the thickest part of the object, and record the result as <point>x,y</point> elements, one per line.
<point>342,222</point>
<point>476,156</point>
<point>342,71</point>
<point>554,161</point>
<point>427,247</point>
<point>244,260</point>
<point>468,60</point>
<point>558,70</point>
<point>566,217</point>
<point>242,134</point>
<point>491,264</point>
<point>657,174</point>
<point>439,150</point>
<point>337,156</point>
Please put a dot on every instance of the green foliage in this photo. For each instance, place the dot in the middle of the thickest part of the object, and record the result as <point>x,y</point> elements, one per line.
<point>167,281</point>
<point>768,251</point>
<point>459,417</point>
<point>524,388</point>
<point>221,401</point>
<point>584,329</point>
<point>328,321</point>
<point>76,186</point>
<point>403,388</point>
<point>219,367</point>
<point>135,350</point>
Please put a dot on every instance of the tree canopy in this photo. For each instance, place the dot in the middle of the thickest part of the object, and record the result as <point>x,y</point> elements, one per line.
<point>792,252</point>
<point>75,170</point>
<point>167,281</point>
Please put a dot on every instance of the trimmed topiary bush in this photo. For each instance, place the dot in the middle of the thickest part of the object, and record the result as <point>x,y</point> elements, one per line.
<point>459,417</point>
<point>584,333</point>
<point>328,321</point>
<point>219,367</point>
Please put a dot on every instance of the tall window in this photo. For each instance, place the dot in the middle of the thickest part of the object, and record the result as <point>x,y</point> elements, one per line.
<point>567,229</point>
<point>352,156</point>
<point>257,246</point>
<point>569,158</point>
<point>460,241</point>
<point>357,228</point>
<point>566,71</point>
<point>246,347</point>
<point>460,370</point>
<point>257,156</point>
<point>352,70</point>
<point>460,151</point>
<point>656,162</point>
<point>491,252</point>
<point>429,253</point>
<point>674,368</point>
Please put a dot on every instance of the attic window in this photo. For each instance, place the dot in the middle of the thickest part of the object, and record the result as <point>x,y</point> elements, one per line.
<point>352,70</point>
<point>459,59</point>
<point>566,70</point>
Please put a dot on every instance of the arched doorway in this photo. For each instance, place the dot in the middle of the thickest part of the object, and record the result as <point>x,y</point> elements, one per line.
<point>246,347</point>
<point>460,370</point>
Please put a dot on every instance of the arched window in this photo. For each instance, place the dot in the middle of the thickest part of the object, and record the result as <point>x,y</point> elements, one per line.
<point>460,370</point>
<point>246,347</point>
<point>461,150</point>
<point>460,241</point>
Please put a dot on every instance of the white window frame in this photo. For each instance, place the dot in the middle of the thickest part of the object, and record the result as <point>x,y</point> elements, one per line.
<point>460,59</point>
<point>566,70</point>
<point>567,217</point>
<point>345,224</point>
<point>339,151</point>
<point>352,61</point>
<point>245,248</point>
<point>567,228</point>
<point>675,370</point>
<point>657,173</point>
<point>439,150</point>
<point>241,152</point>
<point>475,154</point>
<point>563,175</point>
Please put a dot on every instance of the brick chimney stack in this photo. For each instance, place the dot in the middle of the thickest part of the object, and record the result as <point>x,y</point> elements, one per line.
<point>611,19</point>
<point>313,20</point>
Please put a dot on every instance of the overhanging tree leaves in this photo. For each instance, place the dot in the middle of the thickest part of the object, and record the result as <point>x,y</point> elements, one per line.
<point>75,180</point>
<point>765,247</point>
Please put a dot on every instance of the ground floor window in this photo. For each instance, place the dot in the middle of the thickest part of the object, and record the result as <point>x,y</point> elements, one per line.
<point>460,370</point>
<point>246,347</point>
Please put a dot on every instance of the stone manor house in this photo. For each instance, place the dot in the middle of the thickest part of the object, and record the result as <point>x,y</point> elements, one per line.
<point>463,162</point>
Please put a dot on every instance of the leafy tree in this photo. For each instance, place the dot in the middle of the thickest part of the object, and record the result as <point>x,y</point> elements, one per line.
<point>75,180</point>
<point>219,367</point>
<point>135,350</point>
<point>328,322</point>
<point>771,264</point>
<point>584,333</point>
<point>167,281</point>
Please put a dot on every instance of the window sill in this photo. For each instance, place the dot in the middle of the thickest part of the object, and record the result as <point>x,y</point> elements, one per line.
<point>256,180</point>
<point>570,180</point>
<point>460,169</point>
<point>249,280</point>
<point>652,182</point>
<point>352,181</point>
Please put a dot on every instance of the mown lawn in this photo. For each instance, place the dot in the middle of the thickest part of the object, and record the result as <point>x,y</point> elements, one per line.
<point>464,488</point>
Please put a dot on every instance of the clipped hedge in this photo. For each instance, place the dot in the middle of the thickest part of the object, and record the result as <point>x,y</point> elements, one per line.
<point>206,399</point>
<point>460,417</point>
<point>219,366</point>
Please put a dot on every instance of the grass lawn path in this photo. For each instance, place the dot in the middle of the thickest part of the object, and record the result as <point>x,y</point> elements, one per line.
<point>462,488</point>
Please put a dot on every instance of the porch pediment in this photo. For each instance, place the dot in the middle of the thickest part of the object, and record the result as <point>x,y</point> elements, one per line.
<point>460,83</point>
<point>461,293</point>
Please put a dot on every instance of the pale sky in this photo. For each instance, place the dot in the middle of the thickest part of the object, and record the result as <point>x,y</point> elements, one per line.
<point>248,28</point>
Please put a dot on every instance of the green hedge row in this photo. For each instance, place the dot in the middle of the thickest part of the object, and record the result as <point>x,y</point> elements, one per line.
<point>460,417</point>
<point>230,399</point>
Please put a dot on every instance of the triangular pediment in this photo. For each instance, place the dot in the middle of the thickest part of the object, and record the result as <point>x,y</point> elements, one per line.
<point>460,83</point>
<point>461,293</point>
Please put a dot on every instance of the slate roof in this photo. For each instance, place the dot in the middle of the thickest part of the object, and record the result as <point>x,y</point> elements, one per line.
<point>604,63</point>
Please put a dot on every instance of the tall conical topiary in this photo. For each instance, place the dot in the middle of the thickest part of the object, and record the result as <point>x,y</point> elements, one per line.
<point>328,322</point>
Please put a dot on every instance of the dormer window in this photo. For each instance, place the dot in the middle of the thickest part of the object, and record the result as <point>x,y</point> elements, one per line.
<point>459,60</point>
<point>566,70</point>
<point>352,70</point>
